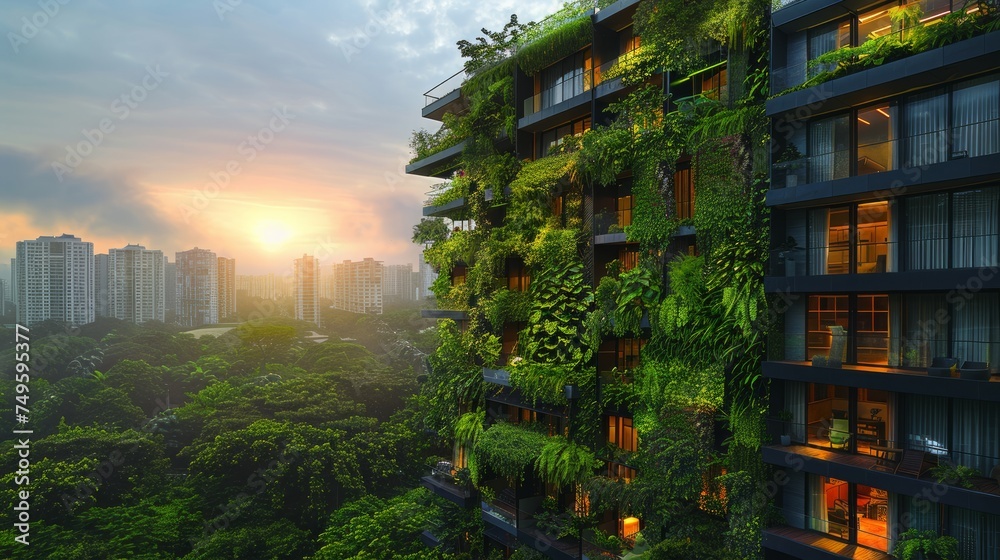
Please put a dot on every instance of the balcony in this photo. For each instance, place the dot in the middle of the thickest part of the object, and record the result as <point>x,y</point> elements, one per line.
<point>446,98</point>
<point>955,61</point>
<point>565,101</point>
<point>871,470</point>
<point>440,164</point>
<point>443,482</point>
<point>609,226</point>
<point>814,545</point>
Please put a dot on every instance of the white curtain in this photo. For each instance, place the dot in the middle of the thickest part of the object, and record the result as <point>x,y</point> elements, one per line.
<point>891,250</point>
<point>974,108</point>
<point>926,424</point>
<point>977,435</point>
<point>927,232</point>
<point>819,231</point>
<point>795,398</point>
<point>978,533</point>
<point>925,337</point>
<point>974,227</point>
<point>828,154</point>
<point>817,504</point>
<point>977,329</point>
<point>925,121</point>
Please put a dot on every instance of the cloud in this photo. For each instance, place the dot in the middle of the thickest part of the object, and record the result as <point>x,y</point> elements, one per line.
<point>103,205</point>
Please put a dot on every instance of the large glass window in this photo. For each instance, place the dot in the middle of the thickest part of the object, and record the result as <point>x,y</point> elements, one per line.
<point>974,107</point>
<point>872,329</point>
<point>829,149</point>
<point>925,334</point>
<point>978,533</point>
<point>876,139</point>
<point>975,228</point>
<point>684,192</point>
<point>977,328</point>
<point>925,127</point>
<point>927,231</point>
<point>566,79</point>
<point>867,227</point>
<point>554,137</point>
<point>824,312</point>
<point>826,38</point>
<point>875,22</point>
<point>621,433</point>
<point>873,237</point>
<point>852,512</point>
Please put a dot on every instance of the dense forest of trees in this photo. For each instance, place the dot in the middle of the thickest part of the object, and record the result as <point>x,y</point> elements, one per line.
<point>151,443</point>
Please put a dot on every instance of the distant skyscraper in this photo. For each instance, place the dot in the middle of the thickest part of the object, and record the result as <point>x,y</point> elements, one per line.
<point>55,280</point>
<point>397,283</point>
<point>102,292</point>
<point>4,294</point>
<point>307,289</point>
<point>427,276</point>
<point>169,290</point>
<point>358,286</point>
<point>197,288</point>
<point>135,284</point>
<point>227,288</point>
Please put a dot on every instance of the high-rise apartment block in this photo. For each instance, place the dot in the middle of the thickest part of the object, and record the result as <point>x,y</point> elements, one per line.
<point>264,286</point>
<point>398,283</point>
<point>358,286</point>
<point>136,286</point>
<point>55,280</point>
<point>307,282</point>
<point>227,288</point>
<point>197,288</point>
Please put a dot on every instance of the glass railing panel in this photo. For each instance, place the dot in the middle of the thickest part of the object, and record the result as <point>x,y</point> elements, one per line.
<point>563,91</point>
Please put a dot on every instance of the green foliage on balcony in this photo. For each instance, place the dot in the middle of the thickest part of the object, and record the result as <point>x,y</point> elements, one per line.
<point>910,36</point>
<point>547,46</point>
<point>508,450</point>
<point>563,462</point>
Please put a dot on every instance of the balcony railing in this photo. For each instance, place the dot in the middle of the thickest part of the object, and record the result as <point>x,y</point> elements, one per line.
<point>447,86</point>
<point>563,91</point>
<point>870,257</point>
<point>887,353</point>
<point>915,151</point>
<point>617,67</point>
<point>612,221</point>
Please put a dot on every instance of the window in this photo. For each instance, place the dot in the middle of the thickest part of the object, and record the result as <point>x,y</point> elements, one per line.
<point>623,209</point>
<point>974,227</point>
<point>974,107</point>
<point>853,512</point>
<point>824,39</point>
<point>714,84</point>
<point>876,139</point>
<point>875,22</point>
<point>628,353</point>
<point>629,258</point>
<point>925,127</point>
<point>621,433</point>
<point>517,276</point>
<point>684,192</point>
<point>829,149</point>
<point>927,231</point>
<point>566,79</point>
<point>458,275</point>
<point>868,228</point>
<point>554,137</point>
<point>824,312</point>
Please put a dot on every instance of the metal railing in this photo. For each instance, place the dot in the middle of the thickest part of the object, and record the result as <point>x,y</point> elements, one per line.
<point>447,86</point>
<point>917,150</point>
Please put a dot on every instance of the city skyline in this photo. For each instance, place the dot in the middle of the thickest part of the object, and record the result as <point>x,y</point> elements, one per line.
<point>262,130</point>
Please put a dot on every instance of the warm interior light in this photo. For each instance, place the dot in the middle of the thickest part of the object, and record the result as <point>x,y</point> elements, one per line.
<point>882,112</point>
<point>863,120</point>
<point>871,17</point>
<point>946,12</point>
<point>630,526</point>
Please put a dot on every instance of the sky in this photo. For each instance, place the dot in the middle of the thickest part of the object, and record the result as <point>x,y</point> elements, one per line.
<point>259,129</point>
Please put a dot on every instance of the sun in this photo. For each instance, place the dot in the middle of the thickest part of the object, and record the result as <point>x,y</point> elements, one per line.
<point>271,235</point>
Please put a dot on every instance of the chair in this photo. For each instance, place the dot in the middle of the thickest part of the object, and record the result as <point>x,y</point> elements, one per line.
<point>912,464</point>
<point>839,433</point>
<point>837,517</point>
<point>942,367</point>
<point>976,371</point>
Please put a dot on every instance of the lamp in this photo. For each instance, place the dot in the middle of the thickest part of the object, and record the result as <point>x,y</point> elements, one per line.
<point>874,412</point>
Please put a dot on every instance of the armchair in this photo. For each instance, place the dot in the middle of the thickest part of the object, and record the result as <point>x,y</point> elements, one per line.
<point>942,367</point>
<point>840,433</point>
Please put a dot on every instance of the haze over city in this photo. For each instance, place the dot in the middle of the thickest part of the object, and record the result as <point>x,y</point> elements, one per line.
<point>260,130</point>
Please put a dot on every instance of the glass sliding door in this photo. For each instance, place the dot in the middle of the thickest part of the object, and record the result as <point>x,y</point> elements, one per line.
<point>975,227</point>
<point>974,113</point>
<point>871,329</point>
<point>876,139</point>
<point>873,238</point>
<point>829,149</point>
<point>925,122</point>
<point>925,336</point>
<point>927,231</point>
